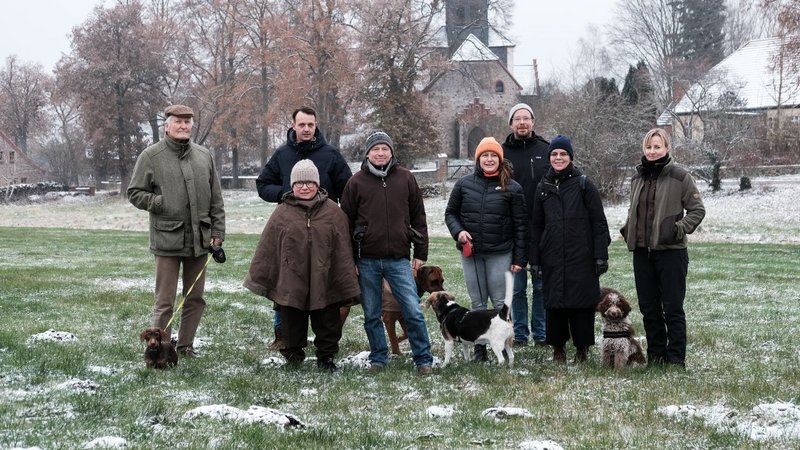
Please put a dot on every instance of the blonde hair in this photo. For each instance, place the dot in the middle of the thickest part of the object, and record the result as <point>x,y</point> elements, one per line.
<point>657,132</point>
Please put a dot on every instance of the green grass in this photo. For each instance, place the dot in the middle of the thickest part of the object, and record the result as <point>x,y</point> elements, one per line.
<point>743,322</point>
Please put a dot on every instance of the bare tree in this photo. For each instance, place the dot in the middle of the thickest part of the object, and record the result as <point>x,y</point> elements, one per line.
<point>649,31</point>
<point>394,41</point>
<point>113,69</point>
<point>65,151</point>
<point>22,98</point>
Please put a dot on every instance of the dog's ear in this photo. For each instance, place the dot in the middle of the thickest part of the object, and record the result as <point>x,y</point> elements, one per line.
<point>624,305</point>
<point>431,300</point>
<point>162,335</point>
<point>602,305</point>
<point>143,335</point>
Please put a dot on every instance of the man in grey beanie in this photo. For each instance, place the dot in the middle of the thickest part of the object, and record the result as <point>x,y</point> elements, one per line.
<point>528,154</point>
<point>382,201</point>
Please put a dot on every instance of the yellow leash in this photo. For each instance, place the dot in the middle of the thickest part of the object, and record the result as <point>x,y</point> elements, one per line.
<point>180,304</point>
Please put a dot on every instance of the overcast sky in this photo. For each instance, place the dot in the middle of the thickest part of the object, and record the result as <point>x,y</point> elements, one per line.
<point>36,30</point>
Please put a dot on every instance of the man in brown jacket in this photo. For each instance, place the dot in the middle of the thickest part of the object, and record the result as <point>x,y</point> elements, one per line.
<point>384,204</point>
<point>176,182</point>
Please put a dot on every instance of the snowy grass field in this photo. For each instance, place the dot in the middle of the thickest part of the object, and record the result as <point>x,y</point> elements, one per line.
<point>76,289</point>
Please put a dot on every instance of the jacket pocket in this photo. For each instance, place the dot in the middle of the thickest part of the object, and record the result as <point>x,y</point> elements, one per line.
<point>167,235</point>
<point>668,231</point>
<point>205,233</point>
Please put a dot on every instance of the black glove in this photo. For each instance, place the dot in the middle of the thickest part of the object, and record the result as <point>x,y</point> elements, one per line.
<point>536,271</point>
<point>600,266</point>
<point>218,254</point>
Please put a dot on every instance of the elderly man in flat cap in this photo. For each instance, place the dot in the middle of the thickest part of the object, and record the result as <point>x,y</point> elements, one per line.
<point>175,180</point>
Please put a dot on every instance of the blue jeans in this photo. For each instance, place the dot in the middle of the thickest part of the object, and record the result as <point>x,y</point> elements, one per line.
<point>519,308</point>
<point>397,272</point>
<point>485,277</point>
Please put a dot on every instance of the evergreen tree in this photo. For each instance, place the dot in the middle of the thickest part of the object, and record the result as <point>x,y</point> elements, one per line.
<point>702,38</point>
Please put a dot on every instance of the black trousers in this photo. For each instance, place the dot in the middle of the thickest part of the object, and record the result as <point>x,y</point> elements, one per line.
<point>661,288</point>
<point>327,327</point>
<point>561,323</point>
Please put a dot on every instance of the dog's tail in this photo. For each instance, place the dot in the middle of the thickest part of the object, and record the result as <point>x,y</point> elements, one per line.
<point>505,312</point>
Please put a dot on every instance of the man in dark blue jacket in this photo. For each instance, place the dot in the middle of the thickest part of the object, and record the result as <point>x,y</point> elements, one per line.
<point>528,154</point>
<point>303,141</point>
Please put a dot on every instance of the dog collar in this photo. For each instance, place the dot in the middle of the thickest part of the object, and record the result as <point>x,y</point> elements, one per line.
<point>616,334</point>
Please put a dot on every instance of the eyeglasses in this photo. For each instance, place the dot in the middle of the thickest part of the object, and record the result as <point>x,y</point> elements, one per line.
<point>557,154</point>
<point>306,184</point>
<point>522,119</point>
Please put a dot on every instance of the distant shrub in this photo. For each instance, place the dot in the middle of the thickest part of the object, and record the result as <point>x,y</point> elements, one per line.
<point>745,184</point>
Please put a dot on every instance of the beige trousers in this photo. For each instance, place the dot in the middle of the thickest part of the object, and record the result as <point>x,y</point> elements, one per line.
<point>167,271</point>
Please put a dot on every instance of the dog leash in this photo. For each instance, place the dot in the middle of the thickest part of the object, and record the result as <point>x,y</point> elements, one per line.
<point>180,304</point>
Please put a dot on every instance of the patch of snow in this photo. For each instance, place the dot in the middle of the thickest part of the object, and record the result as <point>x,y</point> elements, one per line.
<point>441,411</point>
<point>78,385</point>
<point>308,392</point>
<point>102,370</point>
<point>540,445</point>
<point>360,360</point>
<point>106,442</point>
<point>53,336</point>
<point>254,414</point>
<point>503,412</point>
<point>273,361</point>
<point>763,422</point>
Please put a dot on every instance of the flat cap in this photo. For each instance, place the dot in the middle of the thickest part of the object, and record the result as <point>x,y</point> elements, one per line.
<point>178,110</point>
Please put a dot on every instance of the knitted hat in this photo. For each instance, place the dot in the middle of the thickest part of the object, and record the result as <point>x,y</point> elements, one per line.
<point>516,108</point>
<point>563,143</point>
<point>489,144</point>
<point>305,170</point>
<point>378,137</point>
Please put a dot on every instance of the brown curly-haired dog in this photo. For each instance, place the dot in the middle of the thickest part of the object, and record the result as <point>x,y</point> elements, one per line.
<point>160,353</point>
<point>619,347</point>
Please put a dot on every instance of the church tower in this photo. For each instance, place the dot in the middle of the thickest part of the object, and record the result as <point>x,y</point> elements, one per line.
<point>465,17</point>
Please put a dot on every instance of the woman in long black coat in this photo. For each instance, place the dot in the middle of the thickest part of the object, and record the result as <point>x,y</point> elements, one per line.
<point>569,244</point>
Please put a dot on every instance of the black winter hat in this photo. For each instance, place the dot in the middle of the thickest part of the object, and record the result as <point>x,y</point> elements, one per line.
<point>563,143</point>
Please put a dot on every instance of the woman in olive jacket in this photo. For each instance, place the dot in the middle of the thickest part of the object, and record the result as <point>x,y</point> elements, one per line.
<point>569,244</point>
<point>665,208</point>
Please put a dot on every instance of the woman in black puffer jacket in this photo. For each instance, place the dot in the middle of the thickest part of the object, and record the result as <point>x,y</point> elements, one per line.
<point>487,210</point>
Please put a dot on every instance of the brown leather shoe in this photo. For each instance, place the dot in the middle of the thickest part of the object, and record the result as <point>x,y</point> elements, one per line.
<point>374,369</point>
<point>424,370</point>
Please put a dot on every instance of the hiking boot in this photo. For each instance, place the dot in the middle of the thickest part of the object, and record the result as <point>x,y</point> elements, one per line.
<point>374,369</point>
<point>581,354</point>
<point>277,344</point>
<point>480,353</point>
<point>559,355</point>
<point>327,364</point>
<point>424,370</point>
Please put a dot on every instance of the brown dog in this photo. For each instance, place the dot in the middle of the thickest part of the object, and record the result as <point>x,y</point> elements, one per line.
<point>619,348</point>
<point>428,279</point>
<point>160,353</point>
